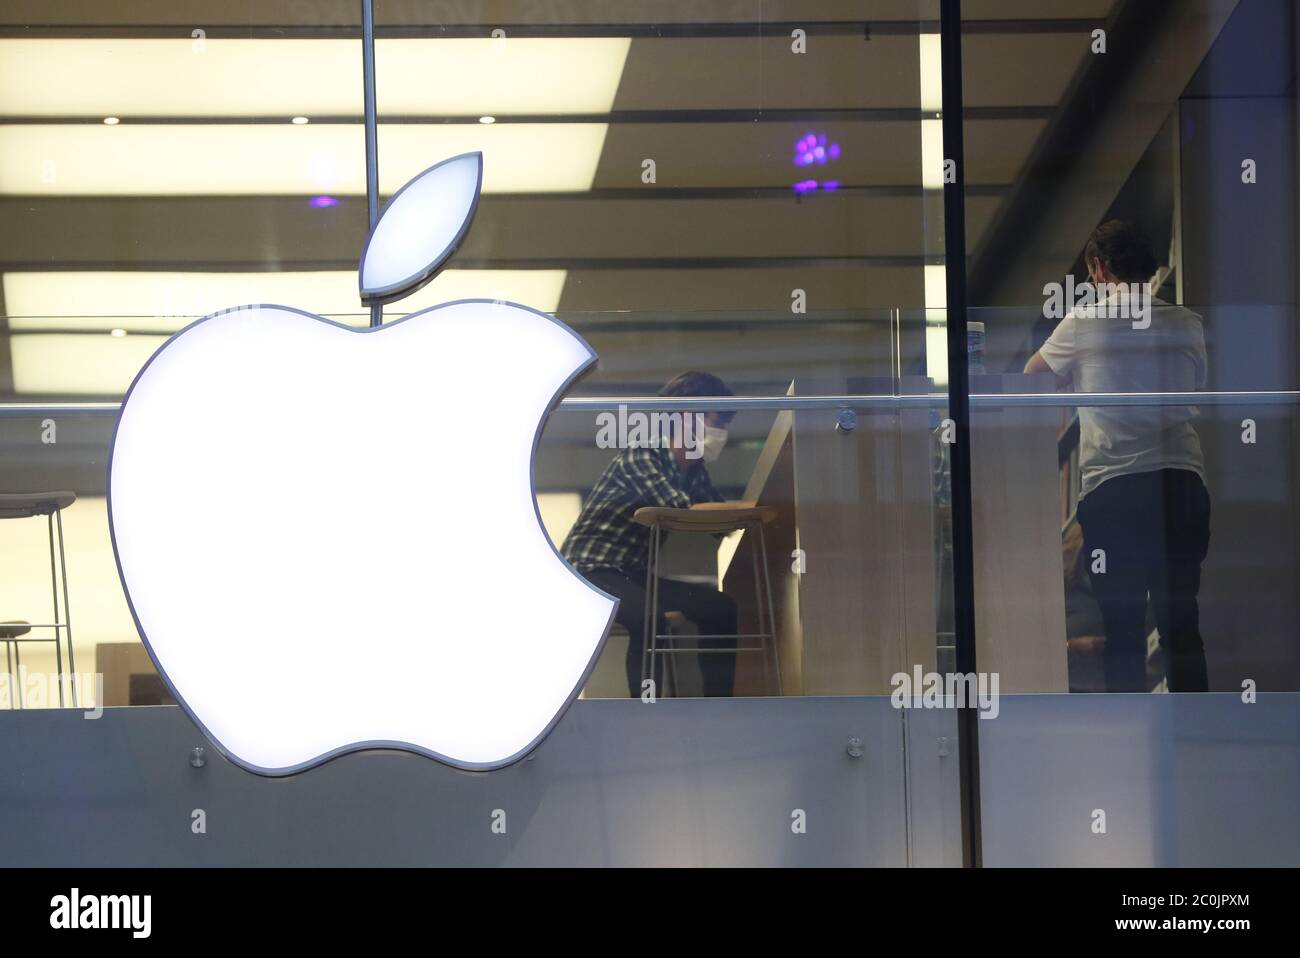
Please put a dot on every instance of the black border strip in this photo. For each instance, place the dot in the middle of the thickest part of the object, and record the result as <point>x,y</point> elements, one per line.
<point>757,29</point>
<point>883,114</point>
<point>963,553</point>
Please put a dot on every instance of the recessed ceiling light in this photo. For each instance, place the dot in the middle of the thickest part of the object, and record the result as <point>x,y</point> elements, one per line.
<point>111,121</point>
<point>300,121</point>
<point>487,119</point>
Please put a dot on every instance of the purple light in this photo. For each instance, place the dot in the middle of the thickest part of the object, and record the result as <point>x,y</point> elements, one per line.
<point>831,185</point>
<point>814,148</point>
<point>805,186</point>
<point>322,201</point>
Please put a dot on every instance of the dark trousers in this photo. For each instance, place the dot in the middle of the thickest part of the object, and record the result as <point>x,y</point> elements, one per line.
<point>712,612</point>
<point>1154,529</point>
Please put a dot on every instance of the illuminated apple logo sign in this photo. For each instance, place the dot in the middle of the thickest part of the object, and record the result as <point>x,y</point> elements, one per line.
<point>328,536</point>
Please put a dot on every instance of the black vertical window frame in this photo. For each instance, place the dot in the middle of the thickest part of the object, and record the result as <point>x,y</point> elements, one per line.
<point>963,560</point>
<point>372,128</point>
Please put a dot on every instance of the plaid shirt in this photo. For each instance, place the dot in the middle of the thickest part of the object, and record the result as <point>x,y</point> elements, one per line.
<point>605,535</point>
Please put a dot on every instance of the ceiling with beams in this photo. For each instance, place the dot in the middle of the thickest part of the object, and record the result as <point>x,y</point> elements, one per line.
<point>205,187</point>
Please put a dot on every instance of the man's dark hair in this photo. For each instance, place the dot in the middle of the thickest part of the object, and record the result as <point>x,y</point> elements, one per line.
<point>698,384</point>
<point>1123,251</point>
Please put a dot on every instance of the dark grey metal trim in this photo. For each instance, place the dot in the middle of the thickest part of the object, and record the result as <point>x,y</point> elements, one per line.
<point>745,28</point>
<point>640,263</point>
<point>902,114</point>
<point>1265,397</point>
<point>737,403</point>
<point>372,137</point>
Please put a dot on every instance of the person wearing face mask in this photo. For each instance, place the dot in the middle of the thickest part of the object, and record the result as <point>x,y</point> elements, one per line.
<point>609,547</point>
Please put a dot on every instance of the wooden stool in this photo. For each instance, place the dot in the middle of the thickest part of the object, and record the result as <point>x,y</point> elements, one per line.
<point>711,518</point>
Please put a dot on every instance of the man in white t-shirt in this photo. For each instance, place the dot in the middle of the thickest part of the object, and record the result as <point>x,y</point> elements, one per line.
<point>1143,501</point>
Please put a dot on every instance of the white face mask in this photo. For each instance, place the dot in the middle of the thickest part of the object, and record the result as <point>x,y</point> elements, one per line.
<point>712,443</point>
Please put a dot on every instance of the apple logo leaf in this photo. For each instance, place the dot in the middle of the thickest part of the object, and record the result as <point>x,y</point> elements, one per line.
<point>420,229</point>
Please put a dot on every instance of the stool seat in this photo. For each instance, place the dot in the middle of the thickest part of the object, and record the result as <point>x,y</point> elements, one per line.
<point>707,517</point>
<point>11,630</point>
<point>719,517</point>
<point>25,505</point>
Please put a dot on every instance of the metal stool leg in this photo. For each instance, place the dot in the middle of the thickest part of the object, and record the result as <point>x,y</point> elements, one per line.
<point>771,610</point>
<point>651,625</point>
<point>645,613</point>
<point>756,529</point>
<point>54,591</point>
<point>658,667</point>
<point>67,614</point>
<point>670,667</point>
<point>18,674</point>
<point>9,670</point>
